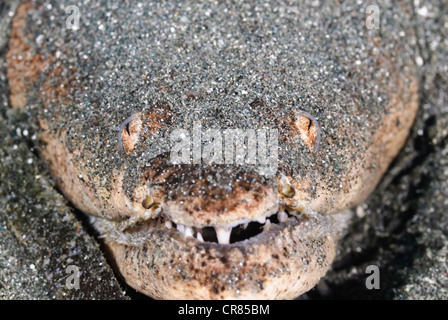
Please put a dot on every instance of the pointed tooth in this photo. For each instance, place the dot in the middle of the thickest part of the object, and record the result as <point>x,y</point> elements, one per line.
<point>199,237</point>
<point>245,225</point>
<point>261,220</point>
<point>188,231</point>
<point>282,216</point>
<point>223,234</point>
<point>168,224</point>
<point>267,225</point>
<point>181,228</point>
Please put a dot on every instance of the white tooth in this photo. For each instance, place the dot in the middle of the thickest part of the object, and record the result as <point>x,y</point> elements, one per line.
<point>267,225</point>
<point>168,224</point>
<point>282,216</point>
<point>181,228</point>
<point>261,220</point>
<point>188,231</point>
<point>223,234</point>
<point>245,226</point>
<point>199,237</point>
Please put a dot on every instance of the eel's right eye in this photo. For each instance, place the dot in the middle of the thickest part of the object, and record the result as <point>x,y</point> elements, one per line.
<point>129,132</point>
<point>309,130</point>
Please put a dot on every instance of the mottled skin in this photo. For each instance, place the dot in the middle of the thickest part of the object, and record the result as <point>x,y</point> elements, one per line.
<point>235,65</point>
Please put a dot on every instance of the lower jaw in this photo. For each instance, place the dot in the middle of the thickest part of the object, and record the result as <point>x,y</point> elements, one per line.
<point>280,263</point>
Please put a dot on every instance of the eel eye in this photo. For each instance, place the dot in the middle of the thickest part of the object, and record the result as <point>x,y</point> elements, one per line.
<point>129,132</point>
<point>308,129</point>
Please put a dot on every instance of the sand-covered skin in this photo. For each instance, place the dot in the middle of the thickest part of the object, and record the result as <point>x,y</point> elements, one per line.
<point>249,66</point>
<point>356,138</point>
<point>40,235</point>
<point>402,228</point>
<point>320,59</point>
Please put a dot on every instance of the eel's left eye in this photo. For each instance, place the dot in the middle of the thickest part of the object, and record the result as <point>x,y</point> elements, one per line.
<point>309,129</point>
<point>129,132</point>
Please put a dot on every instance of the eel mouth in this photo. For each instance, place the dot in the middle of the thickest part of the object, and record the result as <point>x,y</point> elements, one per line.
<point>278,256</point>
<point>246,229</point>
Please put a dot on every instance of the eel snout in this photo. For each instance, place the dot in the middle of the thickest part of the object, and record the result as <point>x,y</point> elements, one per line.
<point>218,195</point>
<point>221,204</point>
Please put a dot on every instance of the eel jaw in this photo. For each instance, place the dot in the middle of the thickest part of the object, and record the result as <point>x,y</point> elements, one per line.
<point>238,231</point>
<point>166,260</point>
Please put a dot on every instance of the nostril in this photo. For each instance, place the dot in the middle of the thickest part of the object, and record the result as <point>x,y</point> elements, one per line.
<point>285,188</point>
<point>148,202</point>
